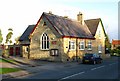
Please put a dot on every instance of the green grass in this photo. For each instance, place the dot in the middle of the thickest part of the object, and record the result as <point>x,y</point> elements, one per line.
<point>5,60</point>
<point>1,60</point>
<point>8,70</point>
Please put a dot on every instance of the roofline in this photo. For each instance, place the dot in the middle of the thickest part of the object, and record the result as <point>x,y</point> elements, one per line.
<point>115,40</point>
<point>92,19</point>
<point>103,27</point>
<point>77,37</point>
<point>51,24</point>
<point>56,29</point>
<point>24,32</point>
<point>100,20</point>
<point>36,24</point>
<point>39,21</point>
<point>97,25</point>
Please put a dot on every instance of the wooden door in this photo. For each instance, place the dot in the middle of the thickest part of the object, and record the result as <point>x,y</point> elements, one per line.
<point>11,51</point>
<point>17,50</point>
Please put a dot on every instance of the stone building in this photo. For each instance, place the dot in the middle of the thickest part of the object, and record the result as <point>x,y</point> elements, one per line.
<point>57,38</point>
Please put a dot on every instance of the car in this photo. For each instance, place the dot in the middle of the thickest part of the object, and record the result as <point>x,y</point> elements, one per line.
<point>115,54</point>
<point>91,58</point>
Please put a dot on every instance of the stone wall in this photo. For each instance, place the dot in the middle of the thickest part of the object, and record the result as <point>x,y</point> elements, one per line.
<point>62,44</point>
<point>71,54</point>
<point>36,51</point>
<point>100,40</point>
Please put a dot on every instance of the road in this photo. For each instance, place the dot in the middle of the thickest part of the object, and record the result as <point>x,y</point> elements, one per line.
<point>108,69</point>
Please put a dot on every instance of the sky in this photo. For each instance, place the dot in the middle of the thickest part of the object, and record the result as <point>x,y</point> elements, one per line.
<point>18,14</point>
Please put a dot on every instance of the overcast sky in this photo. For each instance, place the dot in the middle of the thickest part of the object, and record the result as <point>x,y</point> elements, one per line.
<point>18,14</point>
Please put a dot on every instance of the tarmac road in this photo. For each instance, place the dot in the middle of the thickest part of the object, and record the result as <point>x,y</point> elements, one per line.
<point>106,70</point>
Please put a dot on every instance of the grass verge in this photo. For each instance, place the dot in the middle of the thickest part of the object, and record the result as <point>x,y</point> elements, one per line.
<point>8,70</point>
<point>5,60</point>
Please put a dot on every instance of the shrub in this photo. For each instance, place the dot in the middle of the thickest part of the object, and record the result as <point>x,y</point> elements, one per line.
<point>5,53</point>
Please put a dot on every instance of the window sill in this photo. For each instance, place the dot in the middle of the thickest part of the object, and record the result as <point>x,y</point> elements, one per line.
<point>72,49</point>
<point>90,49</point>
<point>54,55</point>
<point>44,49</point>
<point>82,49</point>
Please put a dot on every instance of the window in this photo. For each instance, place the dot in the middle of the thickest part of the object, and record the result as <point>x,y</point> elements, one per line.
<point>44,24</point>
<point>89,45</point>
<point>26,49</point>
<point>45,41</point>
<point>99,34</point>
<point>71,45</point>
<point>54,52</point>
<point>81,45</point>
<point>100,49</point>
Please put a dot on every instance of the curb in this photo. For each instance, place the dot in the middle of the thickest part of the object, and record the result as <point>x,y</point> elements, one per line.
<point>14,74</point>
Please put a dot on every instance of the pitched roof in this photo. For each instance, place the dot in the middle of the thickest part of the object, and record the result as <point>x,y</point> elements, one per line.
<point>115,42</point>
<point>92,25</point>
<point>25,35</point>
<point>68,27</point>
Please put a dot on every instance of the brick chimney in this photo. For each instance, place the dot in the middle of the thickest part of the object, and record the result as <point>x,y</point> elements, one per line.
<point>50,12</point>
<point>80,18</point>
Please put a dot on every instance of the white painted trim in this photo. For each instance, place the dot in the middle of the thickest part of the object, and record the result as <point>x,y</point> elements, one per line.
<point>70,45</point>
<point>89,44</point>
<point>82,43</point>
<point>43,40</point>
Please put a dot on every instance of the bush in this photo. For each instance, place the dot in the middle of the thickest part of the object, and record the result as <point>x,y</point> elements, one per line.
<point>116,51</point>
<point>5,53</point>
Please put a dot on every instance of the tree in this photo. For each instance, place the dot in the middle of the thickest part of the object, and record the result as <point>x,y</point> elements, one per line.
<point>17,39</point>
<point>107,44</point>
<point>118,47</point>
<point>9,36</point>
<point>1,38</point>
<point>116,51</point>
<point>10,29</point>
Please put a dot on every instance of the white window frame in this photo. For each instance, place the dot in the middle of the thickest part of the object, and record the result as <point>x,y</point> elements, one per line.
<point>54,52</point>
<point>99,48</point>
<point>44,40</point>
<point>71,45</point>
<point>82,43</point>
<point>99,34</point>
<point>89,44</point>
<point>26,49</point>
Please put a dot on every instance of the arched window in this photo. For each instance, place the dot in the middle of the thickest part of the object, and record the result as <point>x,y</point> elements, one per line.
<point>45,41</point>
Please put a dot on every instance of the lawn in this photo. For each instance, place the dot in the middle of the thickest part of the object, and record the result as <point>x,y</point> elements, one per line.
<point>8,70</point>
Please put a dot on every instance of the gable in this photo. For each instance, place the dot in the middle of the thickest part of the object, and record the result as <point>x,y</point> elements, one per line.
<point>92,25</point>
<point>66,27</point>
<point>40,30</point>
<point>100,32</point>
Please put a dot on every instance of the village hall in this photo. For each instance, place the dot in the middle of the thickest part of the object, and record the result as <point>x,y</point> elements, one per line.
<point>60,38</point>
